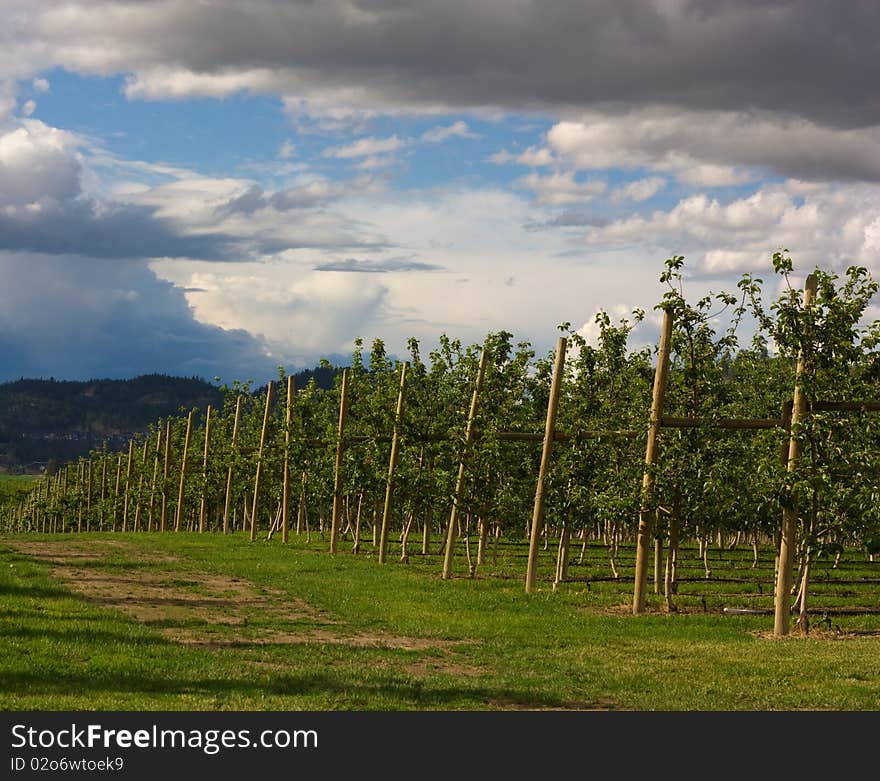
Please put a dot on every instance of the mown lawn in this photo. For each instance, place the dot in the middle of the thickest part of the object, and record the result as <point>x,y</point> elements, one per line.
<point>204,622</point>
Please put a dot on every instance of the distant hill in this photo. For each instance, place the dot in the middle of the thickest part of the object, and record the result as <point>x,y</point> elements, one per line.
<point>44,421</point>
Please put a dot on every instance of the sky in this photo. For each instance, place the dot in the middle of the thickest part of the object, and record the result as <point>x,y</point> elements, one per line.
<point>215,188</point>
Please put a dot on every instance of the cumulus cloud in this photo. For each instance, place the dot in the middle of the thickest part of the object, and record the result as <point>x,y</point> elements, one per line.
<point>43,207</point>
<point>558,189</point>
<point>300,314</point>
<point>832,226</point>
<point>716,148</point>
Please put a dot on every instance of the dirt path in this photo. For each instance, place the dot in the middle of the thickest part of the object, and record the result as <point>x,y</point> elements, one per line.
<point>199,608</point>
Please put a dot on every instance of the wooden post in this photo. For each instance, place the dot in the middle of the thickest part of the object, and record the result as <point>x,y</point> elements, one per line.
<point>127,484</point>
<point>337,469</point>
<point>392,465</point>
<point>166,473</point>
<point>137,506</point>
<point>80,473</point>
<point>647,512</point>
<point>89,498</point>
<point>229,471</point>
<point>260,462</point>
<point>459,480</point>
<point>116,491</point>
<point>782,616</point>
<point>783,458</point>
<point>549,433</point>
<point>155,478</point>
<point>178,511</point>
<point>103,491</point>
<point>285,490</point>
<point>203,506</point>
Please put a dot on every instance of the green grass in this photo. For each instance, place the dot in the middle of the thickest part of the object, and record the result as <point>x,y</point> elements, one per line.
<point>465,643</point>
<point>13,488</point>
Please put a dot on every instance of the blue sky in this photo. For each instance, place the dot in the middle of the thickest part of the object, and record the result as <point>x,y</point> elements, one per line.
<point>218,187</point>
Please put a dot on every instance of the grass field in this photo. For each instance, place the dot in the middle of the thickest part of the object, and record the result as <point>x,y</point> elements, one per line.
<point>13,488</point>
<point>204,622</point>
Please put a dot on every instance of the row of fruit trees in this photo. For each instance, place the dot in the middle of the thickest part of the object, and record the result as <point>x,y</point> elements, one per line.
<point>773,437</point>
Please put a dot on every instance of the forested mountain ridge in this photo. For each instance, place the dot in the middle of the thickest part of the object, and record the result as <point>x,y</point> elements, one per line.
<point>43,421</point>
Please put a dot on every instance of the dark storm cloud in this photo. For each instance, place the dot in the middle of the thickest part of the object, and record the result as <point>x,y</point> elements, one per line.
<point>84,227</point>
<point>818,60</point>
<point>80,318</point>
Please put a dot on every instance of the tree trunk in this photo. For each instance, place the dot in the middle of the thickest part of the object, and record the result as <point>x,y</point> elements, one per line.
<point>782,618</point>
<point>671,555</point>
<point>658,562</point>
<point>561,558</point>
<point>356,548</point>
<point>481,547</point>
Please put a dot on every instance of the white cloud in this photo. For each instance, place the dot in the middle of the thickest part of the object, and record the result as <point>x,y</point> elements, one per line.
<point>166,82</point>
<point>639,190</point>
<point>38,163</point>
<point>531,157</point>
<point>366,147</point>
<point>558,189</point>
<point>458,129</point>
<point>28,108</point>
<point>301,314</point>
<point>40,85</point>
<point>286,150</point>
<point>832,226</point>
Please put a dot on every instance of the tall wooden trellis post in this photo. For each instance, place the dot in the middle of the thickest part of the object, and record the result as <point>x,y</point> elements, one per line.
<point>462,465</point>
<point>285,487</point>
<point>178,511</point>
<point>259,471</point>
<point>782,615</point>
<point>337,469</point>
<point>392,465</point>
<point>203,505</point>
<point>549,435</point>
<point>644,544</point>
<point>226,501</point>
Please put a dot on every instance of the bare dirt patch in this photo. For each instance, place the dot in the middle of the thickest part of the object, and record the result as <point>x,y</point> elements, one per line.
<point>818,634</point>
<point>202,609</point>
